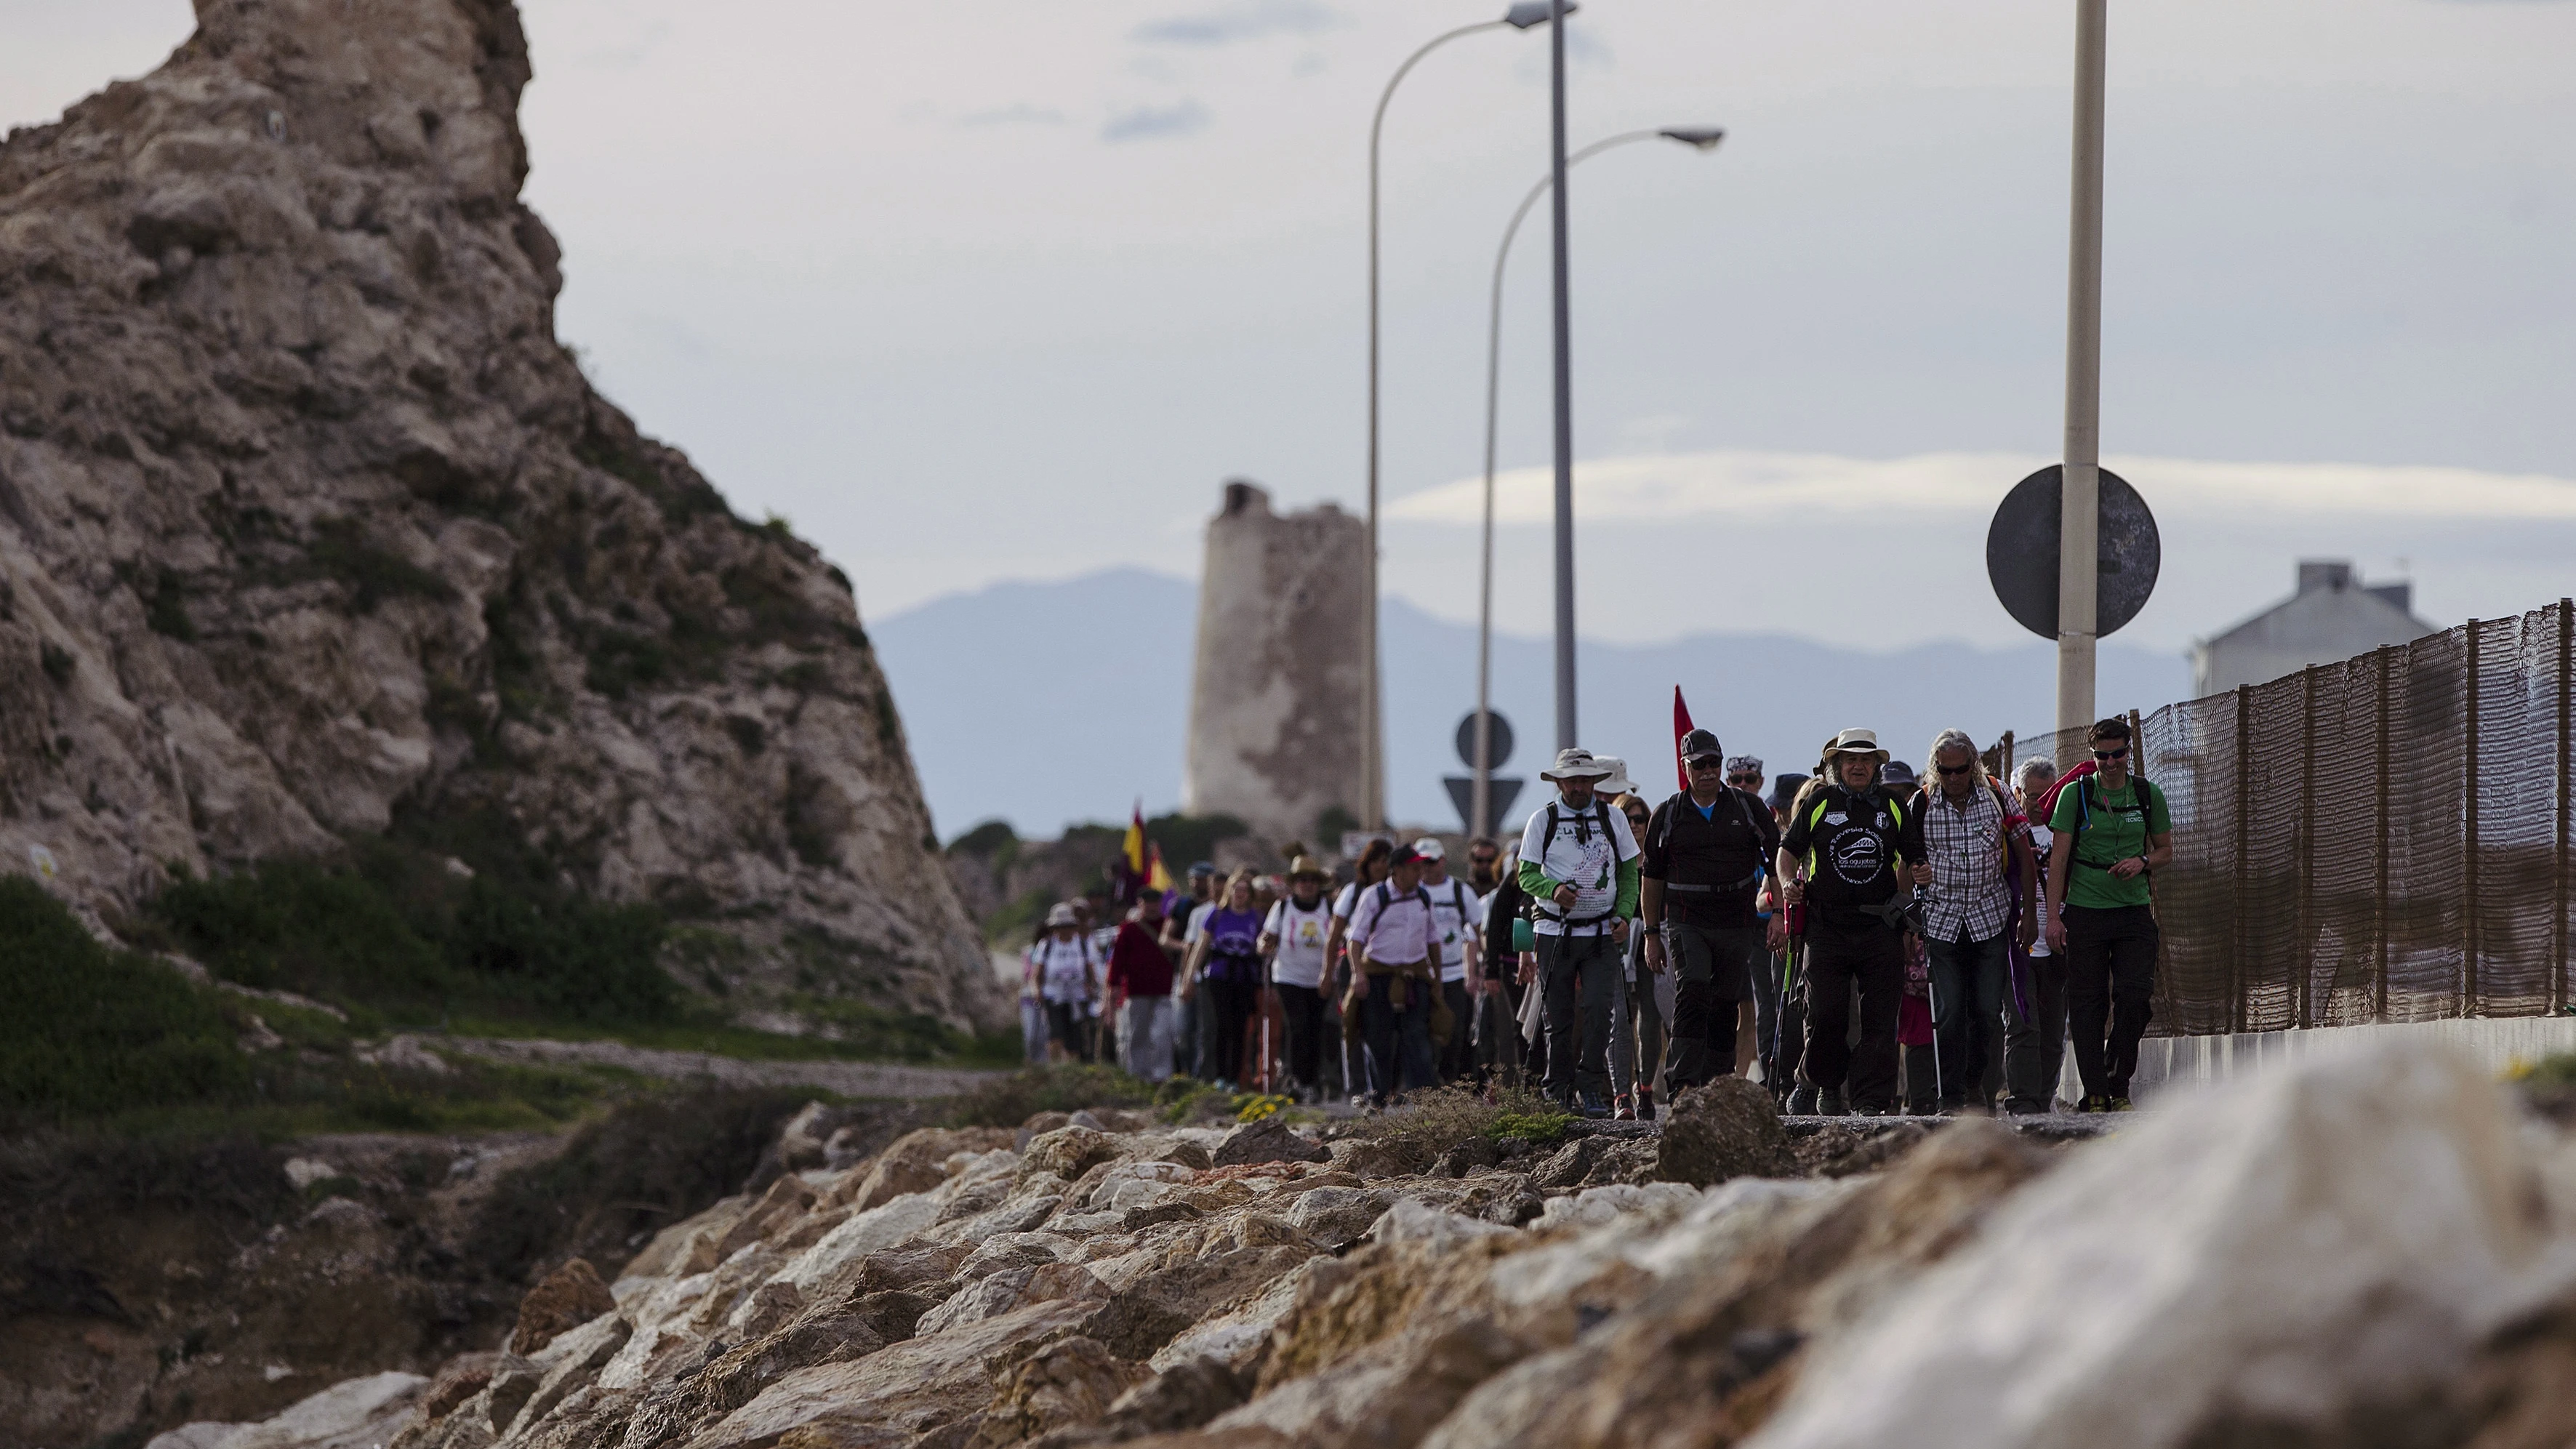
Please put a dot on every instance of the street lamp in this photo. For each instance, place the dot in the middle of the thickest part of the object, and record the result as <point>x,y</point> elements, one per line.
<point>1701,138</point>
<point>1521,16</point>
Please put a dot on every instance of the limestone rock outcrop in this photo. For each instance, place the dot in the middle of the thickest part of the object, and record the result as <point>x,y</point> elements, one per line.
<point>2377,1250</point>
<point>310,526</point>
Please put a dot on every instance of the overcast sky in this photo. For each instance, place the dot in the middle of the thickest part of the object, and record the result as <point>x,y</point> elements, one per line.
<point>1006,289</point>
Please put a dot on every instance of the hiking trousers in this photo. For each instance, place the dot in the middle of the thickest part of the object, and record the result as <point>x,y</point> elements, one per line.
<point>2110,979</point>
<point>1145,1037</point>
<point>1458,1058</point>
<point>1399,1042</point>
<point>1636,1034</point>
<point>1225,1005</point>
<point>2035,1045</point>
<point>1575,973</point>
<point>1303,1006</point>
<point>1971,990</point>
<point>1871,958</point>
<point>1713,967</point>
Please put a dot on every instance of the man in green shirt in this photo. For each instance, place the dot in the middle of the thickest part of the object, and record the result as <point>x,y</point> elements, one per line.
<point>2112,830</point>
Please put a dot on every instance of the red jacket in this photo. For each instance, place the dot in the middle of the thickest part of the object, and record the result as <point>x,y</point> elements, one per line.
<point>1137,965</point>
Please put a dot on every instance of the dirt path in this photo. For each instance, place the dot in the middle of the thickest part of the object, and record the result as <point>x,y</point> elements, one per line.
<point>849,1079</point>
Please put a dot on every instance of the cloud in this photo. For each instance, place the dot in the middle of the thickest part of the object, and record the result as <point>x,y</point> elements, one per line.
<point>1183,118</point>
<point>1748,486</point>
<point>1244,20</point>
<point>1019,113</point>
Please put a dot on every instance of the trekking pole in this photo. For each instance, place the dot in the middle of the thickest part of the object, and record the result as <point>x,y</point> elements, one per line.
<point>1932,988</point>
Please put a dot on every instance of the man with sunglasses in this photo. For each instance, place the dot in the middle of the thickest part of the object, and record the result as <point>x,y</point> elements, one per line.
<point>2112,831</point>
<point>1972,837</point>
<point>1705,851</point>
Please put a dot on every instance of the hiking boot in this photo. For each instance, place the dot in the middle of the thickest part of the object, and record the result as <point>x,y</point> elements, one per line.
<point>1830,1104</point>
<point>2119,1104</point>
<point>2094,1104</point>
<point>2022,1107</point>
<point>1802,1102</point>
<point>1645,1106</point>
<point>1592,1107</point>
<point>1625,1110</point>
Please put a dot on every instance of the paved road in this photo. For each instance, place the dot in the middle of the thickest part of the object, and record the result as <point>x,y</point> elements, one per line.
<point>849,1079</point>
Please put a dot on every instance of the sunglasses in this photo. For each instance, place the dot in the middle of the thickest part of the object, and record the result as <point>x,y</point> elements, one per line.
<point>2106,756</point>
<point>1955,769</point>
<point>1705,762</point>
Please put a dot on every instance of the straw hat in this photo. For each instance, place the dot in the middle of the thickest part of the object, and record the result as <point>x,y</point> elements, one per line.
<point>1306,865</point>
<point>1856,742</point>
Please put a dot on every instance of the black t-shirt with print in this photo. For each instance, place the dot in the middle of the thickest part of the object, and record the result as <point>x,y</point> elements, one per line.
<point>1853,842</point>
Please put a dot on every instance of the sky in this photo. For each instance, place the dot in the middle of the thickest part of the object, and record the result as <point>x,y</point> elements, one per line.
<point>1006,291</point>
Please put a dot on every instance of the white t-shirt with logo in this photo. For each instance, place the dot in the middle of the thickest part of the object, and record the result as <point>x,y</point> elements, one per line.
<point>1454,908</point>
<point>1585,852</point>
<point>1064,968</point>
<point>1301,934</point>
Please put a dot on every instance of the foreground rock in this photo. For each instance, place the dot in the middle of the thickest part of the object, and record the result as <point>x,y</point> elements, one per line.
<point>2379,1250</point>
<point>305,513</point>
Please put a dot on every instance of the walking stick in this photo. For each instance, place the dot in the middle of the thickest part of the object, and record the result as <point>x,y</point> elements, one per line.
<point>1932,988</point>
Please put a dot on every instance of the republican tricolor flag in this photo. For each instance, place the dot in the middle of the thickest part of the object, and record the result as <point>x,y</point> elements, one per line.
<point>1681,727</point>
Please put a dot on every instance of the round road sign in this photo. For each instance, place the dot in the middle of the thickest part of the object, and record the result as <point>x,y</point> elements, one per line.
<point>1467,739</point>
<point>2021,553</point>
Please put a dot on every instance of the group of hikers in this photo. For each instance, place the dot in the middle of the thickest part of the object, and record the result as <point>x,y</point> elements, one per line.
<point>1860,939</point>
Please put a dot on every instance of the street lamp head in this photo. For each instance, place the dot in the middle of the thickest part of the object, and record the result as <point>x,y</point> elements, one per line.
<point>1532,12</point>
<point>1703,137</point>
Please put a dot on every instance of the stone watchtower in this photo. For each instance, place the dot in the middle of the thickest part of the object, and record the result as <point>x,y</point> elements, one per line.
<point>1275,697</point>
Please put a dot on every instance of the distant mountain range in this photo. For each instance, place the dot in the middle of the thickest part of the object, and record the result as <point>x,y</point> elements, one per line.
<point>1051,703</point>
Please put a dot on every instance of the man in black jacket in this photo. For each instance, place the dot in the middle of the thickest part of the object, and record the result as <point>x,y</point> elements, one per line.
<point>1849,854</point>
<point>1705,850</point>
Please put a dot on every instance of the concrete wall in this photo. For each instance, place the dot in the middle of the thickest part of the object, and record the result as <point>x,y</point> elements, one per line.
<point>2164,1063</point>
<point>1276,695</point>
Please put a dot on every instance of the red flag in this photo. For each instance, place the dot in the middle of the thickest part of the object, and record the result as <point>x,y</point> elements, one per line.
<point>1681,727</point>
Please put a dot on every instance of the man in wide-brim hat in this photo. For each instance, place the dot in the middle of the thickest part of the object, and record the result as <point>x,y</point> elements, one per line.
<point>1850,854</point>
<point>1579,864</point>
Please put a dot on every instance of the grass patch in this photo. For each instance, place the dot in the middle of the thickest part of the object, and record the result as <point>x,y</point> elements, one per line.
<point>648,1164</point>
<point>1012,1100</point>
<point>1439,1120</point>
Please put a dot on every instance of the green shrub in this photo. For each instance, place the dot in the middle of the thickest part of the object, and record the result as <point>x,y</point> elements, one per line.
<point>391,928</point>
<point>91,1031</point>
<point>305,927</point>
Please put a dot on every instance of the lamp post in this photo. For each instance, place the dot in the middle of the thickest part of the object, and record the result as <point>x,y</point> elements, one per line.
<point>1521,16</point>
<point>1702,138</point>
<point>2080,502</point>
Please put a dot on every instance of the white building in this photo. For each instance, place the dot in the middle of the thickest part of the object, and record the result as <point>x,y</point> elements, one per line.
<point>2333,616</point>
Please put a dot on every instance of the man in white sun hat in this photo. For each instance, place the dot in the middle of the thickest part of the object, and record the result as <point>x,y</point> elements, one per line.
<point>1851,854</point>
<point>1578,862</point>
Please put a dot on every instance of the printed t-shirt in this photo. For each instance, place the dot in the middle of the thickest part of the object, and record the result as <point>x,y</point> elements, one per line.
<point>1301,934</point>
<point>1586,851</point>
<point>1064,967</point>
<point>1234,944</point>
<point>1453,908</point>
<point>1853,841</point>
<point>2118,830</point>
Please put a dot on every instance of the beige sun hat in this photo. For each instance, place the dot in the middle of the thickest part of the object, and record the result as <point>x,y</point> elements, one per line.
<point>1575,763</point>
<point>1617,782</point>
<point>1061,914</point>
<point>1856,742</point>
<point>1305,865</point>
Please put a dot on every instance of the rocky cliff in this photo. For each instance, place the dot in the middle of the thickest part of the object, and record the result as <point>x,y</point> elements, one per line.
<point>310,527</point>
